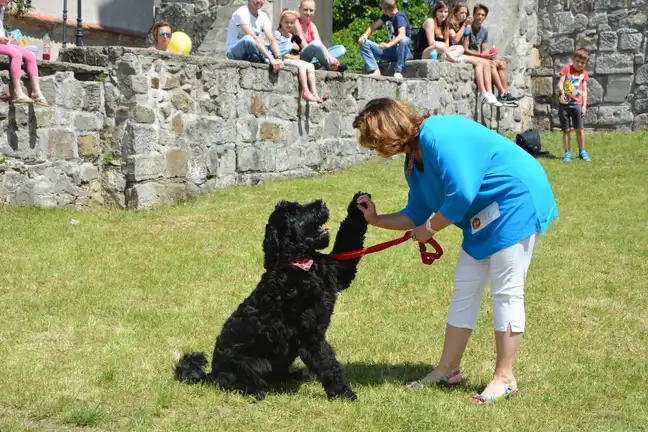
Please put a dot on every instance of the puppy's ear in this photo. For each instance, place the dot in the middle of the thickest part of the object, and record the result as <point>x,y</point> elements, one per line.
<point>270,246</point>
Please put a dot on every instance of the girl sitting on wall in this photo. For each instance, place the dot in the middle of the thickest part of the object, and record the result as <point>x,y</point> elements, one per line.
<point>17,54</point>
<point>312,47</point>
<point>436,37</point>
<point>290,50</point>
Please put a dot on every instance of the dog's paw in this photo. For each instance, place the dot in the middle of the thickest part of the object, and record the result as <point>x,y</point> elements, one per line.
<point>259,395</point>
<point>353,205</point>
<point>346,394</point>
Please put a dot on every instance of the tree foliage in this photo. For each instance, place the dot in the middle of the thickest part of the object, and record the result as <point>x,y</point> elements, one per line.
<point>20,7</point>
<point>352,17</point>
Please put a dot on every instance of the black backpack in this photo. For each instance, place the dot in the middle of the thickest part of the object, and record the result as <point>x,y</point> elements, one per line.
<point>529,140</point>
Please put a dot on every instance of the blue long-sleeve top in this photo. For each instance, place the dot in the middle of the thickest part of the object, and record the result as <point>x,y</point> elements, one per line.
<point>482,182</point>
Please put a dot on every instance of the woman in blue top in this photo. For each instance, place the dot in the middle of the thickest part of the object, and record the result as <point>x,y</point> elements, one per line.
<point>462,173</point>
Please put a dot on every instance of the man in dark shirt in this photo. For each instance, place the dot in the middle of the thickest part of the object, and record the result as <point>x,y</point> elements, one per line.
<point>398,47</point>
<point>476,44</point>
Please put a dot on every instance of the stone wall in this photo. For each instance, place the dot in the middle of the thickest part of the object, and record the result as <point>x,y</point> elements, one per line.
<point>616,33</point>
<point>139,128</point>
<point>51,157</point>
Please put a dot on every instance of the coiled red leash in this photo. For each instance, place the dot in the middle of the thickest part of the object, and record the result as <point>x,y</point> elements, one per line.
<point>426,257</point>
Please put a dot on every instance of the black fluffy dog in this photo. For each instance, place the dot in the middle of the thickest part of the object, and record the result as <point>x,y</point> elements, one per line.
<point>288,313</point>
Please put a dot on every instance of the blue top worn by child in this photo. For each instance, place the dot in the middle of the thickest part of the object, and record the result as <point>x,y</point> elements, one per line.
<point>483,182</point>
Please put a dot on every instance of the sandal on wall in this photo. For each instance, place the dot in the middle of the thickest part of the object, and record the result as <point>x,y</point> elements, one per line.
<point>40,100</point>
<point>22,100</point>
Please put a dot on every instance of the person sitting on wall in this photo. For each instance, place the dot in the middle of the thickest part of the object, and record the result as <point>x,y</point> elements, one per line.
<point>398,47</point>
<point>312,48</point>
<point>476,45</point>
<point>17,54</point>
<point>243,36</point>
<point>435,37</point>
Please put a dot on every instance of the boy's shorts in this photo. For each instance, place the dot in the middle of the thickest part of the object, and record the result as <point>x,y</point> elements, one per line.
<point>570,114</point>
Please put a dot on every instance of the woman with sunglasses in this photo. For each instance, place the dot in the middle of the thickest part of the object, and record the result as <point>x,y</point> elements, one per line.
<point>162,32</point>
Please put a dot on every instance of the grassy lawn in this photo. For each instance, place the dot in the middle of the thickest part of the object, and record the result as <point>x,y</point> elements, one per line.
<point>94,314</point>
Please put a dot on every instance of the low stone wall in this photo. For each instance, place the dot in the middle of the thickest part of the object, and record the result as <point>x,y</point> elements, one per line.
<point>138,128</point>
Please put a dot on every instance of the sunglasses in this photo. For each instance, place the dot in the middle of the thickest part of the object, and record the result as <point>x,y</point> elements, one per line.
<point>164,34</point>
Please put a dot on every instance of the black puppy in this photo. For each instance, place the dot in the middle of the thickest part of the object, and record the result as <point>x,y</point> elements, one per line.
<point>288,313</point>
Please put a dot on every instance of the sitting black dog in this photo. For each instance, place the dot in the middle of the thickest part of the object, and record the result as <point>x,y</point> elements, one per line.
<point>288,313</point>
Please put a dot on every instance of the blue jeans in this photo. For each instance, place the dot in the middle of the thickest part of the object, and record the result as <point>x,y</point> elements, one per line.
<point>399,53</point>
<point>316,53</point>
<point>246,49</point>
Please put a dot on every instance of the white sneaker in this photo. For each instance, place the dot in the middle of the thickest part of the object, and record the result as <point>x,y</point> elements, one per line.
<point>489,99</point>
<point>461,59</point>
<point>376,72</point>
<point>398,75</point>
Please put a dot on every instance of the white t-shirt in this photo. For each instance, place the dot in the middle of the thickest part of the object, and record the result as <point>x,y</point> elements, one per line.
<point>244,16</point>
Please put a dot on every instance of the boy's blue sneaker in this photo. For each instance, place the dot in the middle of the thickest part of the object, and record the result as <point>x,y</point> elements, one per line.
<point>567,157</point>
<point>583,155</point>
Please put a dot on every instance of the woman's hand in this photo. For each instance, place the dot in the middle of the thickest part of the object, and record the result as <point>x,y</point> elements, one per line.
<point>368,209</point>
<point>4,40</point>
<point>421,234</point>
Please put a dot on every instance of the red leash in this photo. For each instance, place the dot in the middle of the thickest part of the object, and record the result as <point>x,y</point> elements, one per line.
<point>427,257</point>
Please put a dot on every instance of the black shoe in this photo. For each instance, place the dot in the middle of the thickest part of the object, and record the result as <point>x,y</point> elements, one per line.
<point>341,68</point>
<point>3,116</point>
<point>507,99</point>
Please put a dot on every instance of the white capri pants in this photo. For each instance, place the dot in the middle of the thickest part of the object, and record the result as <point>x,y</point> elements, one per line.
<point>506,271</point>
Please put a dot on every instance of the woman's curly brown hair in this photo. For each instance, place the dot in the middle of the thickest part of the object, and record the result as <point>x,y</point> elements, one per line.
<point>389,126</point>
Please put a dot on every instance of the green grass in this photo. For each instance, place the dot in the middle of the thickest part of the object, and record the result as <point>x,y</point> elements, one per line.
<point>94,315</point>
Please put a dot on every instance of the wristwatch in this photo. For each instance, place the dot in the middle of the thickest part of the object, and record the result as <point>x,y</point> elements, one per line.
<point>428,226</point>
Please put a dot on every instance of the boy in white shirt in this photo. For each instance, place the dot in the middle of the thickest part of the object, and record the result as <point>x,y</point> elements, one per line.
<point>243,36</point>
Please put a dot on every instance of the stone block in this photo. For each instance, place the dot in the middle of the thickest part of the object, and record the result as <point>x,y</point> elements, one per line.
<point>88,172</point>
<point>563,22</point>
<point>84,121</point>
<point>630,41</point>
<point>144,115</point>
<point>145,166</point>
<point>589,42</point>
<point>371,87</point>
<point>580,22</point>
<point>608,41</point>
<point>561,45</point>
<point>94,96</point>
<point>211,130</point>
<point>144,196</point>
<point>618,18</point>
<point>226,80</point>
<point>614,63</point>
<point>541,109</point>
<point>599,18</point>
<point>89,146</point>
<point>425,95</point>
<point>247,128</point>
<point>641,77</point>
<point>182,101</point>
<point>262,79</point>
<point>257,158</point>
<point>139,84</point>
<point>637,18</point>
<point>70,94</point>
<point>641,106</point>
<point>641,122</point>
<point>177,123</point>
<point>618,88</point>
<point>270,131</point>
<point>594,92</point>
<point>44,117</point>
<point>615,115</point>
<point>140,139</point>
<point>62,144</point>
<point>542,86</point>
<point>176,162</point>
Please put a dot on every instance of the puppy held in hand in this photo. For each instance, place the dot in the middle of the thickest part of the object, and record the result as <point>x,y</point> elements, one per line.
<point>288,313</point>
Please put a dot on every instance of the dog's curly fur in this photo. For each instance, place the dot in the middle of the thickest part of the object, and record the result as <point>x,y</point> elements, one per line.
<point>288,313</point>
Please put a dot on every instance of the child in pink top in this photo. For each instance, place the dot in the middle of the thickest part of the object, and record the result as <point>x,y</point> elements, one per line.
<point>313,50</point>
